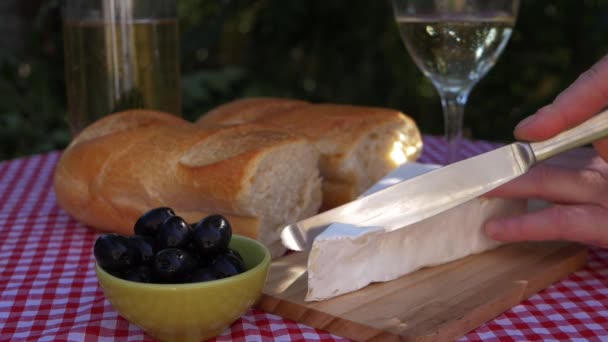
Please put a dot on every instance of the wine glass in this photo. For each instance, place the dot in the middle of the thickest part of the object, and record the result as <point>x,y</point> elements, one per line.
<point>455,43</point>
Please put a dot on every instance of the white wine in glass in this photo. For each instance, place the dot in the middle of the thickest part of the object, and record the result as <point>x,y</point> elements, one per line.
<point>455,43</point>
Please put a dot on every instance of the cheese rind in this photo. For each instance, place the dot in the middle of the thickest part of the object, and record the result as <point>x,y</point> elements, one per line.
<point>346,258</point>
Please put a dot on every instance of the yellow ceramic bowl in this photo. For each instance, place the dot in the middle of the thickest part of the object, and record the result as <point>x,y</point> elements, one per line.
<point>191,312</point>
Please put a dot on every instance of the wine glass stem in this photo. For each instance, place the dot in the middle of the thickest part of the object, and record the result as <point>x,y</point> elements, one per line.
<point>453,102</point>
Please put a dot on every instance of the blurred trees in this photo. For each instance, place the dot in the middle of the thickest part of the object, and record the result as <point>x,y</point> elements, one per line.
<point>328,51</point>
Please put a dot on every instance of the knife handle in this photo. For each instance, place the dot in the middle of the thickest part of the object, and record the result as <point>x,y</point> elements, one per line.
<point>589,131</point>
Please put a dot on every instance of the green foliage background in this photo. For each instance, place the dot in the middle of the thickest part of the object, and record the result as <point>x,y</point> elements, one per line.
<point>321,50</point>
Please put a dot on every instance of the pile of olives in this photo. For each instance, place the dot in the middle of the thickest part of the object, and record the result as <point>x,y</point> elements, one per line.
<point>166,249</point>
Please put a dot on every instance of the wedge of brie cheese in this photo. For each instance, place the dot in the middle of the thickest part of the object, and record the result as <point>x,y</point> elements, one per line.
<point>345,258</point>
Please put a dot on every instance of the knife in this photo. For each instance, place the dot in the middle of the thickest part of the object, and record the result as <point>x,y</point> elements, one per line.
<point>421,197</point>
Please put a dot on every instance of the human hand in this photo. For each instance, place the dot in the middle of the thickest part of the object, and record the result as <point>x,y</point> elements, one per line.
<point>577,183</point>
<point>584,98</point>
<point>578,186</point>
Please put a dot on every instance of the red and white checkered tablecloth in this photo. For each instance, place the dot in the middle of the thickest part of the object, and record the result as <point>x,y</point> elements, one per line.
<point>49,292</point>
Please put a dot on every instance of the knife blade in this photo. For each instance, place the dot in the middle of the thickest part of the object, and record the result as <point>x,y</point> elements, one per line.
<point>421,197</point>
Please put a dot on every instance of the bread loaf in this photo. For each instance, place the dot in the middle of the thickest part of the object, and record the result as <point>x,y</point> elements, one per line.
<point>358,145</point>
<point>248,110</point>
<point>130,162</point>
<point>256,161</point>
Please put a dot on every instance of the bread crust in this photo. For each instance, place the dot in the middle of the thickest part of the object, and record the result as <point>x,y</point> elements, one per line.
<point>129,162</point>
<point>336,194</point>
<point>358,145</point>
<point>117,169</point>
<point>249,109</point>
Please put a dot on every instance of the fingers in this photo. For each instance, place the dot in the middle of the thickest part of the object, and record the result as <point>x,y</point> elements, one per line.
<point>556,184</point>
<point>574,159</point>
<point>602,148</point>
<point>582,223</point>
<point>584,98</point>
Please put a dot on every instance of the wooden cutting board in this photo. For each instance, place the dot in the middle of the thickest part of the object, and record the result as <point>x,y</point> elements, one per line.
<point>433,304</point>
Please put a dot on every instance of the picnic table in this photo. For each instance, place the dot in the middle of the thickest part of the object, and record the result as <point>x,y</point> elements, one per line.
<point>49,291</point>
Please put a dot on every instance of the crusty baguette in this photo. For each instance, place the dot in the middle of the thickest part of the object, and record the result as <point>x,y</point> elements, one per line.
<point>336,193</point>
<point>129,162</point>
<point>249,109</point>
<point>358,145</point>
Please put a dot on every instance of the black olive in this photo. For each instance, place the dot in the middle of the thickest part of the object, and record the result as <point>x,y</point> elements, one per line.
<point>212,235</point>
<point>203,274</point>
<point>174,232</point>
<point>173,265</point>
<point>226,266</point>
<point>114,253</point>
<point>145,246</point>
<point>236,257</point>
<point>148,223</point>
<point>140,274</point>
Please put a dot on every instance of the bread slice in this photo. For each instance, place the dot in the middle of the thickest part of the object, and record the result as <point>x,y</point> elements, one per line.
<point>358,145</point>
<point>108,177</point>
